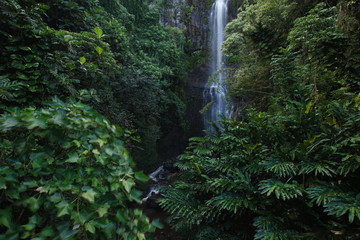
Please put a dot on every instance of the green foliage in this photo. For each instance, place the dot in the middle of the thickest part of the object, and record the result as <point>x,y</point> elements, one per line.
<point>251,40</point>
<point>65,174</point>
<point>272,171</point>
<point>291,171</point>
<point>20,56</point>
<point>324,52</point>
<point>273,46</point>
<point>131,71</point>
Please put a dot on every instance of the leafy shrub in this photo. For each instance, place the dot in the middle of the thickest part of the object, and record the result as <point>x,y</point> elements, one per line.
<point>65,174</point>
<point>290,175</point>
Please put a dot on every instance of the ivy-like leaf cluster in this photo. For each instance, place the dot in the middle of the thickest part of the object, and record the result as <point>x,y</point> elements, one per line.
<point>65,174</point>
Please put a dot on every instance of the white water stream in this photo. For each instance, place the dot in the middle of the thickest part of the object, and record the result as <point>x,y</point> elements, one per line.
<point>153,176</point>
<point>216,91</point>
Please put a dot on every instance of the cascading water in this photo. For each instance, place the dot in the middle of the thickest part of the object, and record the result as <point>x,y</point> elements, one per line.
<point>216,91</point>
<point>154,177</point>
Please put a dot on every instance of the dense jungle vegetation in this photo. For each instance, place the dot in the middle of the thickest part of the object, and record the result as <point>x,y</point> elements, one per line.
<point>91,89</point>
<point>71,73</point>
<point>287,165</point>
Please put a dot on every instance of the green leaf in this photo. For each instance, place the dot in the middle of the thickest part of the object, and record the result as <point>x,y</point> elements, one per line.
<point>37,160</point>
<point>58,119</point>
<point>9,123</point>
<point>351,214</point>
<point>135,195</point>
<point>30,183</point>
<point>82,60</point>
<point>34,203</point>
<point>102,211</point>
<point>64,208</point>
<point>34,122</point>
<point>141,176</point>
<point>47,232</point>
<point>68,38</point>
<point>90,226</point>
<point>89,195</point>
<point>157,223</point>
<point>128,184</point>
<point>5,217</point>
<point>109,151</point>
<point>73,158</point>
<point>140,236</point>
<point>29,226</point>
<point>98,32</point>
<point>308,107</point>
<point>96,152</point>
<point>17,65</point>
<point>114,186</point>
<point>55,198</point>
<point>67,234</point>
<point>99,50</point>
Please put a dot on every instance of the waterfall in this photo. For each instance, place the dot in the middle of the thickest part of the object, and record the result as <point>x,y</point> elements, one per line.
<point>216,91</point>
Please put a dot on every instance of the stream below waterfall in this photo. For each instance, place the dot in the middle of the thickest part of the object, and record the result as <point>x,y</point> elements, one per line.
<point>154,176</point>
<point>163,175</point>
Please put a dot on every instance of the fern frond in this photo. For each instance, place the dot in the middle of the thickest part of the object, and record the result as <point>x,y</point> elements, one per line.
<point>324,168</point>
<point>176,202</point>
<point>230,202</point>
<point>197,139</point>
<point>222,184</point>
<point>223,165</point>
<point>271,228</point>
<point>253,167</point>
<point>322,193</point>
<point>335,201</point>
<point>342,205</point>
<point>201,150</point>
<point>285,191</point>
<point>350,163</point>
<point>281,167</point>
<point>236,181</point>
<point>214,233</point>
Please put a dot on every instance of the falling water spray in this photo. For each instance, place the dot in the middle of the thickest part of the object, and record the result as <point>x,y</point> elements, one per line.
<point>215,91</point>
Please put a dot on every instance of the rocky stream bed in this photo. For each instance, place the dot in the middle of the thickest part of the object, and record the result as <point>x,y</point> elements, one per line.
<point>163,175</point>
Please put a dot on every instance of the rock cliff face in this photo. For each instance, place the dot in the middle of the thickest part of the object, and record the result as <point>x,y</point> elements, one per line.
<point>197,25</point>
<point>171,13</point>
<point>189,15</point>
